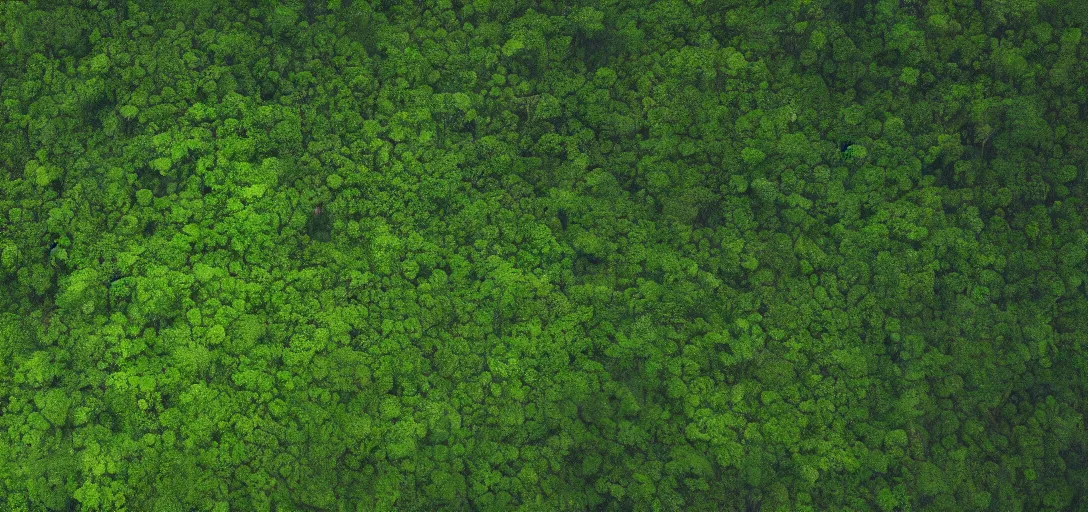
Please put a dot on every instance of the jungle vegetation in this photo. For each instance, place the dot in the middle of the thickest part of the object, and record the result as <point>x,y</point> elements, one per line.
<point>543,255</point>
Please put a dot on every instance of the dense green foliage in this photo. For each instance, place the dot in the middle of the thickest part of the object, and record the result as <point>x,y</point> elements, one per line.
<point>675,255</point>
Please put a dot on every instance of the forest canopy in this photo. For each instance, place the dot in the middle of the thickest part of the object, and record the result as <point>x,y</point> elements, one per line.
<point>661,255</point>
